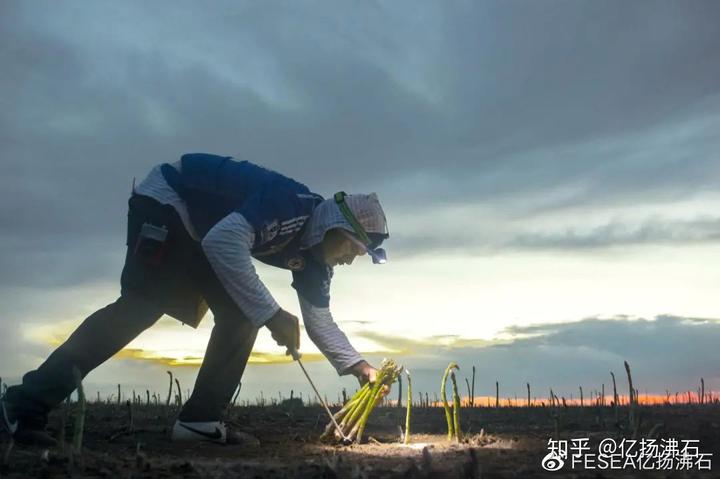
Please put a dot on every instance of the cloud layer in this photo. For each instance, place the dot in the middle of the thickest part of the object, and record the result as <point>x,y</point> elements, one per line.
<point>665,353</point>
<point>501,103</point>
<point>488,129</point>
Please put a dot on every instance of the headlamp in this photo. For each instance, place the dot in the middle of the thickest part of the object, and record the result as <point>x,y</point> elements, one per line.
<point>378,255</point>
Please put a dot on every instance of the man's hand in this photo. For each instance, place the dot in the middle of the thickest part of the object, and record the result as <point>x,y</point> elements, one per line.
<point>285,329</point>
<point>366,373</point>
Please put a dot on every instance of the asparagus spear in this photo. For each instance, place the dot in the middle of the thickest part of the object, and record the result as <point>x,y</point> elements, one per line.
<point>409,407</point>
<point>369,406</point>
<point>353,416</point>
<point>448,416</point>
<point>342,413</point>
<point>456,408</point>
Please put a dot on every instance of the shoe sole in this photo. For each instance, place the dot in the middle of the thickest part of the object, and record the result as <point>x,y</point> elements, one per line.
<point>193,435</point>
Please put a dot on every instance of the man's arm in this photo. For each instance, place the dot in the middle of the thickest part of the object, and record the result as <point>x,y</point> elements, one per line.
<point>227,247</point>
<point>330,340</point>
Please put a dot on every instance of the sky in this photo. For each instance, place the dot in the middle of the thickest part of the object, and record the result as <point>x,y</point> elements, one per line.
<point>549,172</point>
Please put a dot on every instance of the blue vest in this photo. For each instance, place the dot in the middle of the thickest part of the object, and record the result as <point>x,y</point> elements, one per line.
<point>276,206</point>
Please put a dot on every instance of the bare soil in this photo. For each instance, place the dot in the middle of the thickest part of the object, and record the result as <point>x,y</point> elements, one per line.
<point>498,442</point>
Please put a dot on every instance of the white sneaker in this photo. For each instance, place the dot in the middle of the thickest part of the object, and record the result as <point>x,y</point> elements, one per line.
<point>213,431</point>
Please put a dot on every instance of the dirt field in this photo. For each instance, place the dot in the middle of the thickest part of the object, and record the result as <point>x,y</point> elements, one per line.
<point>512,443</point>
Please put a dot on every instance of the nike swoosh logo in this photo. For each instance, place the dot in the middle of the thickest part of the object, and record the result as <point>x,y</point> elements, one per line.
<point>210,435</point>
<point>10,426</point>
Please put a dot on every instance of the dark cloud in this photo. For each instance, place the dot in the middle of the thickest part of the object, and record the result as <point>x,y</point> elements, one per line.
<point>616,234</point>
<point>651,232</point>
<point>96,95</point>
<point>668,352</point>
<point>549,73</point>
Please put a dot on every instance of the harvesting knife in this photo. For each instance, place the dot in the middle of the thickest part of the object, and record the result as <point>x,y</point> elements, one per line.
<point>296,356</point>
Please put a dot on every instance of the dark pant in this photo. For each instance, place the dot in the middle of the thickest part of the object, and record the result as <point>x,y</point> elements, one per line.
<point>148,290</point>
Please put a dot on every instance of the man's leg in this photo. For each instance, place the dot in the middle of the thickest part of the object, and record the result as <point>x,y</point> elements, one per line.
<point>228,349</point>
<point>97,339</point>
<point>226,356</point>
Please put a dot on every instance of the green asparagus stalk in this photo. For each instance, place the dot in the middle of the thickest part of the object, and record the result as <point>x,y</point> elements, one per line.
<point>356,412</point>
<point>353,417</point>
<point>167,403</point>
<point>374,393</point>
<point>80,418</point>
<point>456,408</point>
<point>352,434</point>
<point>341,417</point>
<point>409,407</point>
<point>448,416</point>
